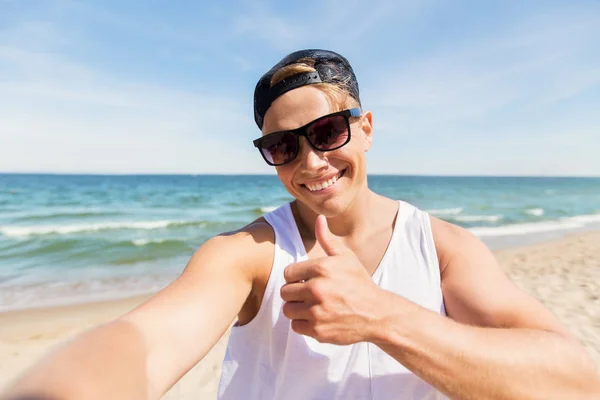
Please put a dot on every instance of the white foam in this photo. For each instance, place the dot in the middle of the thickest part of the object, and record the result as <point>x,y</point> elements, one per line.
<point>143,242</point>
<point>538,212</point>
<point>446,211</point>
<point>478,218</point>
<point>43,288</point>
<point>563,224</point>
<point>19,231</point>
<point>31,299</point>
<point>268,209</point>
<point>586,219</point>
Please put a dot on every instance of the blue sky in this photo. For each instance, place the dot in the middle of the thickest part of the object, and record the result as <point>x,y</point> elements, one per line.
<point>455,87</point>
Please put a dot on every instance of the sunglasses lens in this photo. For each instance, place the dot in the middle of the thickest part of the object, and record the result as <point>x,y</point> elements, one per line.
<point>279,148</point>
<point>329,133</point>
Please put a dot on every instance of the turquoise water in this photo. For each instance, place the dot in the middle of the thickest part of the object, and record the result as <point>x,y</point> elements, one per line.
<point>65,237</point>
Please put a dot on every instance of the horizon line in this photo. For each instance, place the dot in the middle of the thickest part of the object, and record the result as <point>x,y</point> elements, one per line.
<point>273,174</point>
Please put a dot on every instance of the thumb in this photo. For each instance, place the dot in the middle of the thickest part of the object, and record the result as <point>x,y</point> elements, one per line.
<point>332,244</point>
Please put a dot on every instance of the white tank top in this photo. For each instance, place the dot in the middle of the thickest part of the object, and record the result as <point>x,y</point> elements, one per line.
<point>266,359</point>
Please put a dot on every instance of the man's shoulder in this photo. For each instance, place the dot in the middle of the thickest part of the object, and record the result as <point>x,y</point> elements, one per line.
<point>250,247</point>
<point>453,241</point>
<point>258,231</point>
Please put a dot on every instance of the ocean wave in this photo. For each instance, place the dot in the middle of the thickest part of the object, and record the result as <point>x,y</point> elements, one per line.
<point>536,212</point>
<point>478,218</point>
<point>446,211</point>
<point>268,209</point>
<point>80,252</point>
<point>21,231</point>
<point>577,222</point>
<point>67,214</point>
<point>585,219</point>
<point>7,278</point>
<point>42,293</point>
<point>179,224</point>
<point>145,242</point>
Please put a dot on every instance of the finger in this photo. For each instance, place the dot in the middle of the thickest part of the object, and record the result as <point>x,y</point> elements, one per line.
<point>296,310</point>
<point>301,271</point>
<point>296,291</point>
<point>303,327</point>
<point>331,244</point>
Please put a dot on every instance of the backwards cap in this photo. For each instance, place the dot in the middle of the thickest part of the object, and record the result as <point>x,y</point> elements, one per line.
<point>330,68</point>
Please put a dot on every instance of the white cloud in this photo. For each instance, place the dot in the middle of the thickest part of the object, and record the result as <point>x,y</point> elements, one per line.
<point>64,117</point>
<point>559,153</point>
<point>319,24</point>
<point>280,32</point>
<point>528,66</point>
<point>505,104</point>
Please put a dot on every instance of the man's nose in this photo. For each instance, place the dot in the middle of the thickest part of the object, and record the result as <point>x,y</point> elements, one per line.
<point>311,159</point>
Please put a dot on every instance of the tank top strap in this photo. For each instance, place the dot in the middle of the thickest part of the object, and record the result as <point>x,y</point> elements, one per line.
<point>287,236</point>
<point>418,234</point>
<point>289,249</point>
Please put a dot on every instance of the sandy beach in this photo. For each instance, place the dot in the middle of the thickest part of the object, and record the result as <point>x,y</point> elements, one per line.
<point>564,274</point>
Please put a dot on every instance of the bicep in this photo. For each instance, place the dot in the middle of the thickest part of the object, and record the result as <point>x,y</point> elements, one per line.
<point>476,290</point>
<point>184,321</point>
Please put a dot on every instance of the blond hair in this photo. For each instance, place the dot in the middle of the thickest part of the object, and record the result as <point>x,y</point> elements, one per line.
<point>337,93</point>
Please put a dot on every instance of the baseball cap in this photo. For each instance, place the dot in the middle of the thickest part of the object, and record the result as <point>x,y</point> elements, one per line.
<point>330,67</point>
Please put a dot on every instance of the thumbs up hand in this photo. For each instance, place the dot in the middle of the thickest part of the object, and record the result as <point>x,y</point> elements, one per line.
<point>332,299</point>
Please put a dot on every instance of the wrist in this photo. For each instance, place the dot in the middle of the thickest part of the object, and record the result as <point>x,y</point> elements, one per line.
<point>383,326</point>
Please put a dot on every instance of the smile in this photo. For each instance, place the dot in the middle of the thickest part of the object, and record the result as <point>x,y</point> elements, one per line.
<point>318,186</point>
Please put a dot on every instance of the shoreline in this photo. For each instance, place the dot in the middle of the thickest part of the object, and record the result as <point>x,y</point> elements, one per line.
<point>157,281</point>
<point>516,241</point>
<point>77,301</point>
<point>499,246</point>
<point>563,273</point>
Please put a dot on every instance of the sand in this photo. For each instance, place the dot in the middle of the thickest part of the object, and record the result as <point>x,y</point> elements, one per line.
<point>563,274</point>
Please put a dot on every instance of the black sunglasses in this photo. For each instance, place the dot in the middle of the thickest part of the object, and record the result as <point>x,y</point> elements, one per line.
<point>327,133</point>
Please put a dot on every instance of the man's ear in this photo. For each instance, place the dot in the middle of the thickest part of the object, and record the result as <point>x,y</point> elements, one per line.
<point>367,128</point>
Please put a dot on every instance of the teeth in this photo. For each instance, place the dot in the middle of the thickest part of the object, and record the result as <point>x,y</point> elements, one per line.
<point>313,187</point>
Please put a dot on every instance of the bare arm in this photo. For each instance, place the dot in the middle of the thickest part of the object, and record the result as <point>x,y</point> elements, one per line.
<point>499,343</point>
<point>143,353</point>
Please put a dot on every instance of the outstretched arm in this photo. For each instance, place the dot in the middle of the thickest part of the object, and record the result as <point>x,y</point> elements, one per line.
<point>499,343</point>
<point>143,353</point>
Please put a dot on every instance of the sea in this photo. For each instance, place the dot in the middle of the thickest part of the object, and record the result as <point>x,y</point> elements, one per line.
<point>75,238</point>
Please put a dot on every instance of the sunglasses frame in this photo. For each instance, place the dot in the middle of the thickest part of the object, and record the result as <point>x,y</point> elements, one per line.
<point>352,112</point>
